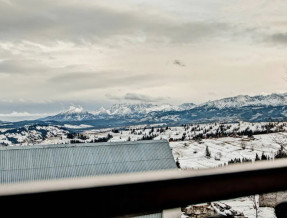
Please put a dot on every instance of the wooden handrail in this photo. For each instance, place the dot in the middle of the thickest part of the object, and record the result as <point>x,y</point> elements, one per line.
<point>117,195</point>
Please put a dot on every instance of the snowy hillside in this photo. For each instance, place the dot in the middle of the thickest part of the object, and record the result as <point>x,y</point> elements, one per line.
<point>31,134</point>
<point>55,134</point>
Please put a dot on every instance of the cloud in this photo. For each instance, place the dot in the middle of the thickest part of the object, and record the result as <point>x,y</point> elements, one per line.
<point>18,116</point>
<point>31,107</point>
<point>46,21</point>
<point>103,80</point>
<point>21,114</point>
<point>21,66</point>
<point>279,38</point>
<point>136,97</point>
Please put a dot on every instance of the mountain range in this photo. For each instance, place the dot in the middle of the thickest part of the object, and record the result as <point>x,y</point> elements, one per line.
<point>245,100</point>
<point>242,107</point>
<point>261,108</point>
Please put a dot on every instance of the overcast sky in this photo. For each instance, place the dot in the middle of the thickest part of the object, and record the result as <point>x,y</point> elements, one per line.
<point>96,53</point>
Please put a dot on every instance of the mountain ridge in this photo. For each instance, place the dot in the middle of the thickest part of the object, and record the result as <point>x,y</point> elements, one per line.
<point>246,100</point>
<point>150,111</point>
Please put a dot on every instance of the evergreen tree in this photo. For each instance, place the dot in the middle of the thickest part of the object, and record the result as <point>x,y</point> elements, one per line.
<point>280,153</point>
<point>264,157</point>
<point>257,157</point>
<point>177,163</point>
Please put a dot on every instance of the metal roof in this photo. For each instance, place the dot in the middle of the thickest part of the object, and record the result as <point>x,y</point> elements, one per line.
<point>45,162</point>
<point>155,215</point>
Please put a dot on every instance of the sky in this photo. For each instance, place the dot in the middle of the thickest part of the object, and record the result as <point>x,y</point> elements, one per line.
<point>97,53</point>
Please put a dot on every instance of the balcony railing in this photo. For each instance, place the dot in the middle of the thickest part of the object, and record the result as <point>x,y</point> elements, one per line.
<point>117,195</point>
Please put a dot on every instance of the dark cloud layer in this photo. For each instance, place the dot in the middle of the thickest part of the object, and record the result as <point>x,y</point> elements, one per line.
<point>20,66</point>
<point>47,106</point>
<point>280,38</point>
<point>102,80</point>
<point>135,97</point>
<point>45,21</point>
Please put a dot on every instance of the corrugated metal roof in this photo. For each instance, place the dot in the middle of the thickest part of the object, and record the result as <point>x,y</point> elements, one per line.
<point>155,215</point>
<point>45,162</point>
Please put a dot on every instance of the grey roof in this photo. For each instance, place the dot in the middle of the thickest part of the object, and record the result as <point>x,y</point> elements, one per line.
<point>155,215</point>
<point>44,162</point>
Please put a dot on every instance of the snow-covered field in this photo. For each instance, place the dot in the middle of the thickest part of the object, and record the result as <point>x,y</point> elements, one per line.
<point>82,126</point>
<point>191,154</point>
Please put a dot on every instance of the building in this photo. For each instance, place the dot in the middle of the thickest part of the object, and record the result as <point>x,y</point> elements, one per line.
<point>48,162</point>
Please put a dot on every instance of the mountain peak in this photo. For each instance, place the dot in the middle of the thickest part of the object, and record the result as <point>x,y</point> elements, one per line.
<point>74,113</point>
<point>74,109</point>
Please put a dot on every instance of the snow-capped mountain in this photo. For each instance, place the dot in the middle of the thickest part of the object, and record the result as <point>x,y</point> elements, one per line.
<point>242,107</point>
<point>232,102</point>
<point>245,100</point>
<point>129,109</point>
<point>74,113</point>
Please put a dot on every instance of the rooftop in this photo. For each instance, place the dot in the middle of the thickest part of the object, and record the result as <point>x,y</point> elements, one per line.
<point>46,162</point>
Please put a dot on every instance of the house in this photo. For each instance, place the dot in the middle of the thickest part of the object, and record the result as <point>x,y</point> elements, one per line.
<point>20,164</point>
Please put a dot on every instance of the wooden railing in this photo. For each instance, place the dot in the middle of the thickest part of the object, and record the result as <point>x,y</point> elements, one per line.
<point>117,195</point>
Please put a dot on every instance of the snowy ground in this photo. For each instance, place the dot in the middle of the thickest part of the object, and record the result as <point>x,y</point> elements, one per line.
<point>82,126</point>
<point>191,154</point>
<point>248,207</point>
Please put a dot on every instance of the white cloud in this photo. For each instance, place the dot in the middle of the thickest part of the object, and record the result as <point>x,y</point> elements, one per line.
<point>17,116</point>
